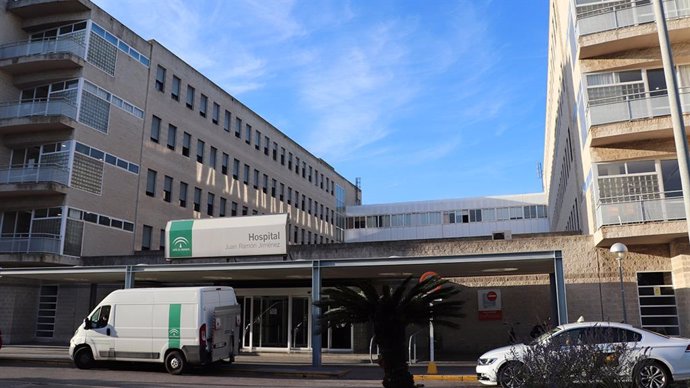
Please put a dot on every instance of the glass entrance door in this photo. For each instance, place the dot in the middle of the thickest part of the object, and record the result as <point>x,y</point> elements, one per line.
<point>270,321</point>
<point>300,322</point>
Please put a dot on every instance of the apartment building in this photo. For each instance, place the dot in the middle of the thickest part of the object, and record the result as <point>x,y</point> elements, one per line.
<point>105,136</point>
<point>610,164</point>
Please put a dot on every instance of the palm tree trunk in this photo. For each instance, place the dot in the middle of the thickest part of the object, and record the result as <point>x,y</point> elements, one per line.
<point>395,370</point>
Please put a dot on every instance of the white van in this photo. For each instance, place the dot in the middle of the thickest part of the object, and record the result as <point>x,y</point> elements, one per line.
<point>179,326</point>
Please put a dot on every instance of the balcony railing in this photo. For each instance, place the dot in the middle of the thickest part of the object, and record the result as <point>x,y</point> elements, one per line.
<point>47,172</point>
<point>30,243</point>
<point>52,107</point>
<point>666,206</point>
<point>626,14</point>
<point>63,44</point>
<point>633,107</point>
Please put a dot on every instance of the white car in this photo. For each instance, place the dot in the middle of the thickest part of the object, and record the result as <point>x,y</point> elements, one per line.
<point>660,359</point>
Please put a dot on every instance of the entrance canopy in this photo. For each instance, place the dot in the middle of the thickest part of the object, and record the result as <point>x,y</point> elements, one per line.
<point>522,263</point>
<point>529,263</point>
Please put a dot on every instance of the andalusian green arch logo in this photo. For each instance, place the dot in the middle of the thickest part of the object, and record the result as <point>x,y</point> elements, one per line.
<point>181,238</point>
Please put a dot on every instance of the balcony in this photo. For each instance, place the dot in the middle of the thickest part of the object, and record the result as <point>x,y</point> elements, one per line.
<point>38,115</point>
<point>44,55</point>
<point>613,120</point>
<point>41,8</point>
<point>42,179</point>
<point>654,218</point>
<point>627,25</point>
<point>30,243</point>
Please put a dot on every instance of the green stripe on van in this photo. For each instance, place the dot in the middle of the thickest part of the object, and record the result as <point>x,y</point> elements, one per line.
<point>174,326</point>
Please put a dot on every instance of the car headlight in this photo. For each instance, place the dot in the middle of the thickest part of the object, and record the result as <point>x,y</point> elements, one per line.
<point>486,361</point>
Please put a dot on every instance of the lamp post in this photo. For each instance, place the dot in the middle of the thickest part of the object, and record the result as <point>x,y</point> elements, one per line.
<point>620,250</point>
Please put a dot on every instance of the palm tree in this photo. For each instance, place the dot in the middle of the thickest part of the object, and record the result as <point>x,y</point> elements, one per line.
<point>389,313</point>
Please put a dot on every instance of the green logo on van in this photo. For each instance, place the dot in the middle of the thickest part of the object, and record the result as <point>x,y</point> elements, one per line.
<point>181,238</point>
<point>174,326</point>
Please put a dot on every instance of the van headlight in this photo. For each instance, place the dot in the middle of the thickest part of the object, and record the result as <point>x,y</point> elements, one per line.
<point>486,361</point>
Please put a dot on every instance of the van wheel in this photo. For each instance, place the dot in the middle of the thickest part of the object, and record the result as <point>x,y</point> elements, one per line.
<point>83,359</point>
<point>175,362</point>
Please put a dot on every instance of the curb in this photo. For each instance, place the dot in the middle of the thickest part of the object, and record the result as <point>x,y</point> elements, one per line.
<point>445,378</point>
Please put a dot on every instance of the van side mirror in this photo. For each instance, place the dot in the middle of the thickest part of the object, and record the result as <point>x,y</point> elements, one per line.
<point>87,323</point>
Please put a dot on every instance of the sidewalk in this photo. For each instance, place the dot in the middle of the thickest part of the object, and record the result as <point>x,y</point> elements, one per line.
<point>276,364</point>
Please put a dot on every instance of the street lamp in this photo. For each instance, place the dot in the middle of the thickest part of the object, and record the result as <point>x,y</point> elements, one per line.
<point>620,250</point>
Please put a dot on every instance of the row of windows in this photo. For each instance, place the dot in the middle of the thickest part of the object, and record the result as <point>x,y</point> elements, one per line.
<point>261,142</point>
<point>463,216</point>
<point>122,46</point>
<point>113,99</point>
<point>307,204</point>
<point>100,219</point>
<point>108,158</point>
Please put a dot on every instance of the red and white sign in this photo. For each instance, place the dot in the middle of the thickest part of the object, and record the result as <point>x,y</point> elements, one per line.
<point>489,305</point>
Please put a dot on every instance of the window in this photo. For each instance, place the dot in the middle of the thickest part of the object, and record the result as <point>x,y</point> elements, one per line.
<point>282,156</point>
<point>146,238</point>
<point>175,92</point>
<point>186,144</point>
<point>155,129</point>
<point>296,165</point>
<point>235,168</point>
<point>245,177</point>
<point>238,127</point>
<point>248,134</point>
<point>190,97</point>
<point>289,160</point>
<point>233,209</point>
<point>222,206</point>
<point>151,183</point>
<point>256,178</point>
<point>160,78</point>
<point>275,151</point>
<point>203,104</point>
<point>267,144</point>
<point>289,195</point>
<point>304,169</point>
<point>309,174</point>
<point>245,210</point>
<point>197,199</point>
<point>200,145</point>
<point>226,122</point>
<point>183,194</point>
<point>257,141</point>
<point>264,186</point>
<point>172,136</point>
<point>282,192</point>
<point>216,113</point>
<point>209,206</point>
<point>224,164</point>
<point>161,240</point>
<point>167,188</point>
<point>212,158</point>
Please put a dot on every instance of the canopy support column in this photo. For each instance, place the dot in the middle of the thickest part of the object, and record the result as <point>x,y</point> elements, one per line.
<point>315,314</point>
<point>561,304</point>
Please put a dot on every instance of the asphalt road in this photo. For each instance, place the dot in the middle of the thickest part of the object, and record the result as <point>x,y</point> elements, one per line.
<point>29,374</point>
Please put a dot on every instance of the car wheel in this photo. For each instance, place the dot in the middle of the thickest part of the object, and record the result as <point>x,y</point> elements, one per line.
<point>652,374</point>
<point>83,358</point>
<point>511,375</point>
<point>175,362</point>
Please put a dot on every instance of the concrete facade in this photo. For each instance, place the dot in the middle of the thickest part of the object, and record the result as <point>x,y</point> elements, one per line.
<point>106,136</point>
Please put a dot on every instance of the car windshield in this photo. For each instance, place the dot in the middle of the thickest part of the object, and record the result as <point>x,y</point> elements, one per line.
<point>542,338</point>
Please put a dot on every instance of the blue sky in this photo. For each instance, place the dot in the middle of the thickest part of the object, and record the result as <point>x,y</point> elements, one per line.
<point>420,99</point>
